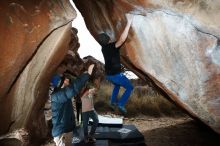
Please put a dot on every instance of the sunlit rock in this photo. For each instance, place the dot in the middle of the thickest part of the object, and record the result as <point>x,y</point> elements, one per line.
<point>174,43</point>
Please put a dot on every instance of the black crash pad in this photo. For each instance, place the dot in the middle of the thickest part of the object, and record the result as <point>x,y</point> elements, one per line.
<point>126,133</point>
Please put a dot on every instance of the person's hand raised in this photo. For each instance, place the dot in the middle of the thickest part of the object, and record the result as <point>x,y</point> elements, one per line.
<point>129,16</point>
<point>90,69</point>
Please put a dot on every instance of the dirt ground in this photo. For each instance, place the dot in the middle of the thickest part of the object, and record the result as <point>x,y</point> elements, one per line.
<point>169,131</point>
<point>181,131</point>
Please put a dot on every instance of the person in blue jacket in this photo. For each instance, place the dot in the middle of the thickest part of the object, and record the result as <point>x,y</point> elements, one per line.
<point>63,118</point>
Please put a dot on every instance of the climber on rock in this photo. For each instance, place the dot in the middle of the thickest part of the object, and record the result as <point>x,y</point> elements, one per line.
<point>111,53</point>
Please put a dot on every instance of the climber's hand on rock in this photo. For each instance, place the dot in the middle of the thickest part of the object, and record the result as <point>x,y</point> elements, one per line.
<point>129,16</point>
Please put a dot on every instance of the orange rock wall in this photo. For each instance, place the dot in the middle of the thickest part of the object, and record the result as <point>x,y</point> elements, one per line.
<point>34,38</point>
<point>174,43</point>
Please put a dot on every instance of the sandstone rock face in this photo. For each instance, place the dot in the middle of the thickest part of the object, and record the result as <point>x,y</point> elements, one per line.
<point>34,38</point>
<point>174,43</point>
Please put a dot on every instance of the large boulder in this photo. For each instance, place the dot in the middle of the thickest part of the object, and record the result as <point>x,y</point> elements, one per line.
<point>174,43</point>
<point>34,38</point>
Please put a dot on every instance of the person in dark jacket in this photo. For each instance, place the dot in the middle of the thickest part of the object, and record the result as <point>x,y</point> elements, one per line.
<point>111,53</point>
<point>63,118</point>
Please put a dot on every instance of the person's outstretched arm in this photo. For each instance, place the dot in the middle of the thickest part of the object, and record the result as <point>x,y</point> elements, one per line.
<point>124,34</point>
<point>78,84</point>
<point>74,88</point>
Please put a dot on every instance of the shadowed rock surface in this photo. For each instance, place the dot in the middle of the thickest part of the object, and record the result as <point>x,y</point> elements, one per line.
<point>35,36</point>
<point>173,43</point>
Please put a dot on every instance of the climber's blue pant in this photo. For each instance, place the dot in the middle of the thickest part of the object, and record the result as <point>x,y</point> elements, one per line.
<point>120,80</point>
